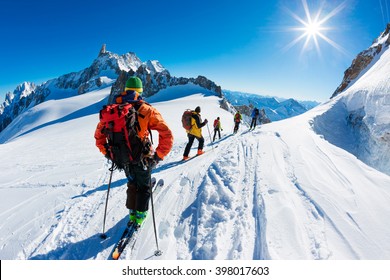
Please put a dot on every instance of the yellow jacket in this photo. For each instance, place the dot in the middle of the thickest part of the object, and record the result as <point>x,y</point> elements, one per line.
<point>197,124</point>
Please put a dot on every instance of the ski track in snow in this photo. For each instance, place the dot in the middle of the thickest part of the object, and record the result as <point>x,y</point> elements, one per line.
<point>215,208</point>
<point>80,212</point>
<point>313,216</point>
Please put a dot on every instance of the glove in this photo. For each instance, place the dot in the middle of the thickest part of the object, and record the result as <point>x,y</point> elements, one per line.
<point>206,121</point>
<point>153,161</point>
<point>107,156</point>
<point>156,158</point>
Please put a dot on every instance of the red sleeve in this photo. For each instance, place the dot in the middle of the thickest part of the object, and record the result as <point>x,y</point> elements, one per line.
<point>100,138</point>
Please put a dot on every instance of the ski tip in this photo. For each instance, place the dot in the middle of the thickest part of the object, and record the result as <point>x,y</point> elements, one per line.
<point>115,254</point>
<point>160,182</point>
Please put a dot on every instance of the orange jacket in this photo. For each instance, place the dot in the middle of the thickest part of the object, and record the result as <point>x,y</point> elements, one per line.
<point>148,118</point>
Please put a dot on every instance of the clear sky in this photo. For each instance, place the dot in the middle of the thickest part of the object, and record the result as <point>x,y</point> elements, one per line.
<point>247,45</point>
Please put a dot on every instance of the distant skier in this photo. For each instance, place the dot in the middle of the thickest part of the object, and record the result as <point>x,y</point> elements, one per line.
<point>217,128</point>
<point>195,132</point>
<point>237,121</point>
<point>110,143</point>
<point>254,115</point>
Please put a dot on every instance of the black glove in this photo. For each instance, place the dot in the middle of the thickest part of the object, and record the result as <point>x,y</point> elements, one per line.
<point>107,156</point>
<point>206,121</point>
<point>153,161</point>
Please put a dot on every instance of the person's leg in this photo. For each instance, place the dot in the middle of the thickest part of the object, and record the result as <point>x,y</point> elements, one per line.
<point>131,193</point>
<point>253,120</point>
<point>143,181</point>
<point>191,139</point>
<point>201,143</point>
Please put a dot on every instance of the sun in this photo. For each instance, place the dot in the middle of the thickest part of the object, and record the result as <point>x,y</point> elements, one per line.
<point>313,29</point>
<point>313,26</point>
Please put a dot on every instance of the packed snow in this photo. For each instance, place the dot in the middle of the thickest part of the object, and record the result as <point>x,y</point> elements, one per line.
<point>280,192</point>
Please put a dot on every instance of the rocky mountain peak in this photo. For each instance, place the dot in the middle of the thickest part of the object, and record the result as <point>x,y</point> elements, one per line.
<point>363,61</point>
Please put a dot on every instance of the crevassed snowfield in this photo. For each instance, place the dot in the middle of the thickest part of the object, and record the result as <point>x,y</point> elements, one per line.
<point>280,192</point>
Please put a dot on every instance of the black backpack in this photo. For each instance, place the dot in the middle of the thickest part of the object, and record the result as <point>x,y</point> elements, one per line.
<point>121,129</point>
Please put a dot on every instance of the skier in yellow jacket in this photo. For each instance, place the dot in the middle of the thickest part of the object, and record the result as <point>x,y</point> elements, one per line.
<point>195,132</point>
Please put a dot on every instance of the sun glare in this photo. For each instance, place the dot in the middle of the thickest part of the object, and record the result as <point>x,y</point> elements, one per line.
<point>312,27</point>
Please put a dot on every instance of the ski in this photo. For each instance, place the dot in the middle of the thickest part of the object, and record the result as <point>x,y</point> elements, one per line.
<point>195,156</point>
<point>123,241</point>
<point>132,228</point>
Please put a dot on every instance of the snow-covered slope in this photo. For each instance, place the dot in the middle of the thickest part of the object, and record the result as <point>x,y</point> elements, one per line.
<point>280,192</point>
<point>359,118</point>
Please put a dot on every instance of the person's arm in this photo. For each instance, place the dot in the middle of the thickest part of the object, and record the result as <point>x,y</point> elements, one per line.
<point>100,138</point>
<point>197,121</point>
<point>165,137</point>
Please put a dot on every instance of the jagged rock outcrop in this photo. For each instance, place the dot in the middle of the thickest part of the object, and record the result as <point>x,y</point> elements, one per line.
<point>103,50</point>
<point>362,61</point>
<point>153,82</point>
<point>23,98</point>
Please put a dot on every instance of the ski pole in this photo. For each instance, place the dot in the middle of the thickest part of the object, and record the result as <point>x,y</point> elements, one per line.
<point>103,235</point>
<point>158,251</point>
<point>212,144</point>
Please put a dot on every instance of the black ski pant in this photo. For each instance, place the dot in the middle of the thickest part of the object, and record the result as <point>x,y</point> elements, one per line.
<point>253,123</point>
<point>191,139</point>
<point>138,187</point>
<point>237,124</point>
<point>217,130</point>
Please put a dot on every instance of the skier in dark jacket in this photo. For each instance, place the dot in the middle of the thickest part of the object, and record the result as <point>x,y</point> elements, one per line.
<point>255,115</point>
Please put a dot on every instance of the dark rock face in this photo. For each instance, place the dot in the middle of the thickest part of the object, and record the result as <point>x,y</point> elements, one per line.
<point>362,61</point>
<point>154,82</point>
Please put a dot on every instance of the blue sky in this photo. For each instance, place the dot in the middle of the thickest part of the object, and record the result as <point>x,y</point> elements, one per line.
<point>240,45</point>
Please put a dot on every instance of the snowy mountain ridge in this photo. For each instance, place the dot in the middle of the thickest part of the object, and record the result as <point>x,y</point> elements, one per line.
<point>103,72</point>
<point>275,108</point>
<point>110,69</point>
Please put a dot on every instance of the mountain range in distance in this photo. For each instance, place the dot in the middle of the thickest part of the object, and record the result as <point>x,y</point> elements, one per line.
<point>110,69</point>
